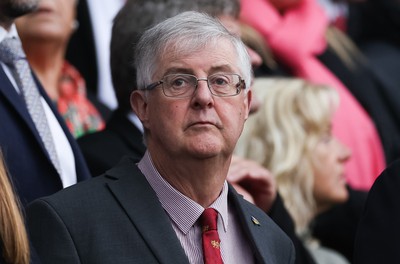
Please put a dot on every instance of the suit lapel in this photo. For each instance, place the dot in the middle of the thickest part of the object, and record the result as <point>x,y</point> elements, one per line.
<point>145,211</point>
<point>18,104</point>
<point>82,171</point>
<point>253,223</point>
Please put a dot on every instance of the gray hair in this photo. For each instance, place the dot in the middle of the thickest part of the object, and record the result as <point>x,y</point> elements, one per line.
<point>187,32</point>
<point>138,15</point>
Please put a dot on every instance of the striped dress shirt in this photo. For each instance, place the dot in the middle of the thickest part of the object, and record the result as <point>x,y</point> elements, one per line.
<point>184,214</point>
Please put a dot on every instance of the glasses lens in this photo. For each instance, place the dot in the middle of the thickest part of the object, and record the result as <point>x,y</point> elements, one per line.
<point>179,85</point>
<point>184,85</point>
<point>224,84</point>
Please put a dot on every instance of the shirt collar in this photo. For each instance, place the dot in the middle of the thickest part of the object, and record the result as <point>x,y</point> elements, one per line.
<point>12,33</point>
<point>182,210</point>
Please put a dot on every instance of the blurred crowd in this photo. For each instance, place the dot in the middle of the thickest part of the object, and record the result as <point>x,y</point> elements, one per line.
<point>323,123</point>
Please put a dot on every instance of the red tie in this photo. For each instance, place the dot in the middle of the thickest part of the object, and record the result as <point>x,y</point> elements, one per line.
<point>211,241</point>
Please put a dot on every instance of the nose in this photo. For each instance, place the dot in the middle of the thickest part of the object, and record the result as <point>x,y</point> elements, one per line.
<point>202,95</point>
<point>344,152</point>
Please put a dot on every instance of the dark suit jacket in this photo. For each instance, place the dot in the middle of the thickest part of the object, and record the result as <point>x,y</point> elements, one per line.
<point>29,165</point>
<point>337,227</point>
<point>282,218</point>
<point>374,20</point>
<point>378,234</point>
<point>104,149</point>
<point>117,218</point>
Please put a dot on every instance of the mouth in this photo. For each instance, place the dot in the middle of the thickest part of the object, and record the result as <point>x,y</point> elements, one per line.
<point>202,124</point>
<point>342,178</point>
<point>44,9</point>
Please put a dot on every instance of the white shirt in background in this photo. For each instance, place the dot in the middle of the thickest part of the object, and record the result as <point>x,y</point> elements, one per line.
<point>102,14</point>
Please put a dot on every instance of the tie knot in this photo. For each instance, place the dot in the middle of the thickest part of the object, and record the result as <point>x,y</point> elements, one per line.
<point>208,219</point>
<point>11,51</point>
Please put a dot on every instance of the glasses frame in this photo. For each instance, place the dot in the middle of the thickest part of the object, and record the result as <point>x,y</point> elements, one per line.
<point>239,87</point>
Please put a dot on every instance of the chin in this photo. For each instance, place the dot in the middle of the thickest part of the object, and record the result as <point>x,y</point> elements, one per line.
<point>204,151</point>
<point>343,196</point>
<point>203,154</point>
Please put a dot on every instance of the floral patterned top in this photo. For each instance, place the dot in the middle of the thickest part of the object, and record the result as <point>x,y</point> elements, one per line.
<point>78,112</point>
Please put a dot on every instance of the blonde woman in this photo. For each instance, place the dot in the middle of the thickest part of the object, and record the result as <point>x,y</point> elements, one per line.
<point>291,136</point>
<point>15,245</point>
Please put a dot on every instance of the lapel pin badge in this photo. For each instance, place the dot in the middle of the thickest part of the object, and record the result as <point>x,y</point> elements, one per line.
<point>255,221</point>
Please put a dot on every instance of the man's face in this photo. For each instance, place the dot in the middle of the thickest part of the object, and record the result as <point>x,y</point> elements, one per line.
<point>203,125</point>
<point>11,9</point>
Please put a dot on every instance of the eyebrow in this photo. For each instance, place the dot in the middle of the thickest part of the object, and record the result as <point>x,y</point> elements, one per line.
<point>175,70</point>
<point>221,68</point>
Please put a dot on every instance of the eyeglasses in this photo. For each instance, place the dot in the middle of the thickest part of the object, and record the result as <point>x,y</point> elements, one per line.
<point>184,85</point>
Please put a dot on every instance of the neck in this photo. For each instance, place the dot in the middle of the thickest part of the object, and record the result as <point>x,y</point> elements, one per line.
<point>199,179</point>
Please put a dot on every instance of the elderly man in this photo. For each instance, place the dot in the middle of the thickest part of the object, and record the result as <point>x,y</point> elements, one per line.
<point>193,102</point>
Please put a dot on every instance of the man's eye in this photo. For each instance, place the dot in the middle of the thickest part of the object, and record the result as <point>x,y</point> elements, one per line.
<point>179,82</point>
<point>220,81</point>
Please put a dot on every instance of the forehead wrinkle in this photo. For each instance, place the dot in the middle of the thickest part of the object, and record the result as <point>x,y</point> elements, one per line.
<point>226,68</point>
<point>175,70</point>
<point>220,59</point>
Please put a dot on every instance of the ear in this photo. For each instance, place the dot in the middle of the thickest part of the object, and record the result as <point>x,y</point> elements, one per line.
<point>139,105</point>
<point>248,100</point>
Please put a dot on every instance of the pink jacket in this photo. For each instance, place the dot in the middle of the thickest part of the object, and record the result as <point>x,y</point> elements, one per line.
<point>295,38</point>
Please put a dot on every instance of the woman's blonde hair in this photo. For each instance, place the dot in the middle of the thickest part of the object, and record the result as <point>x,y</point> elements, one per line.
<point>283,134</point>
<point>12,227</point>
